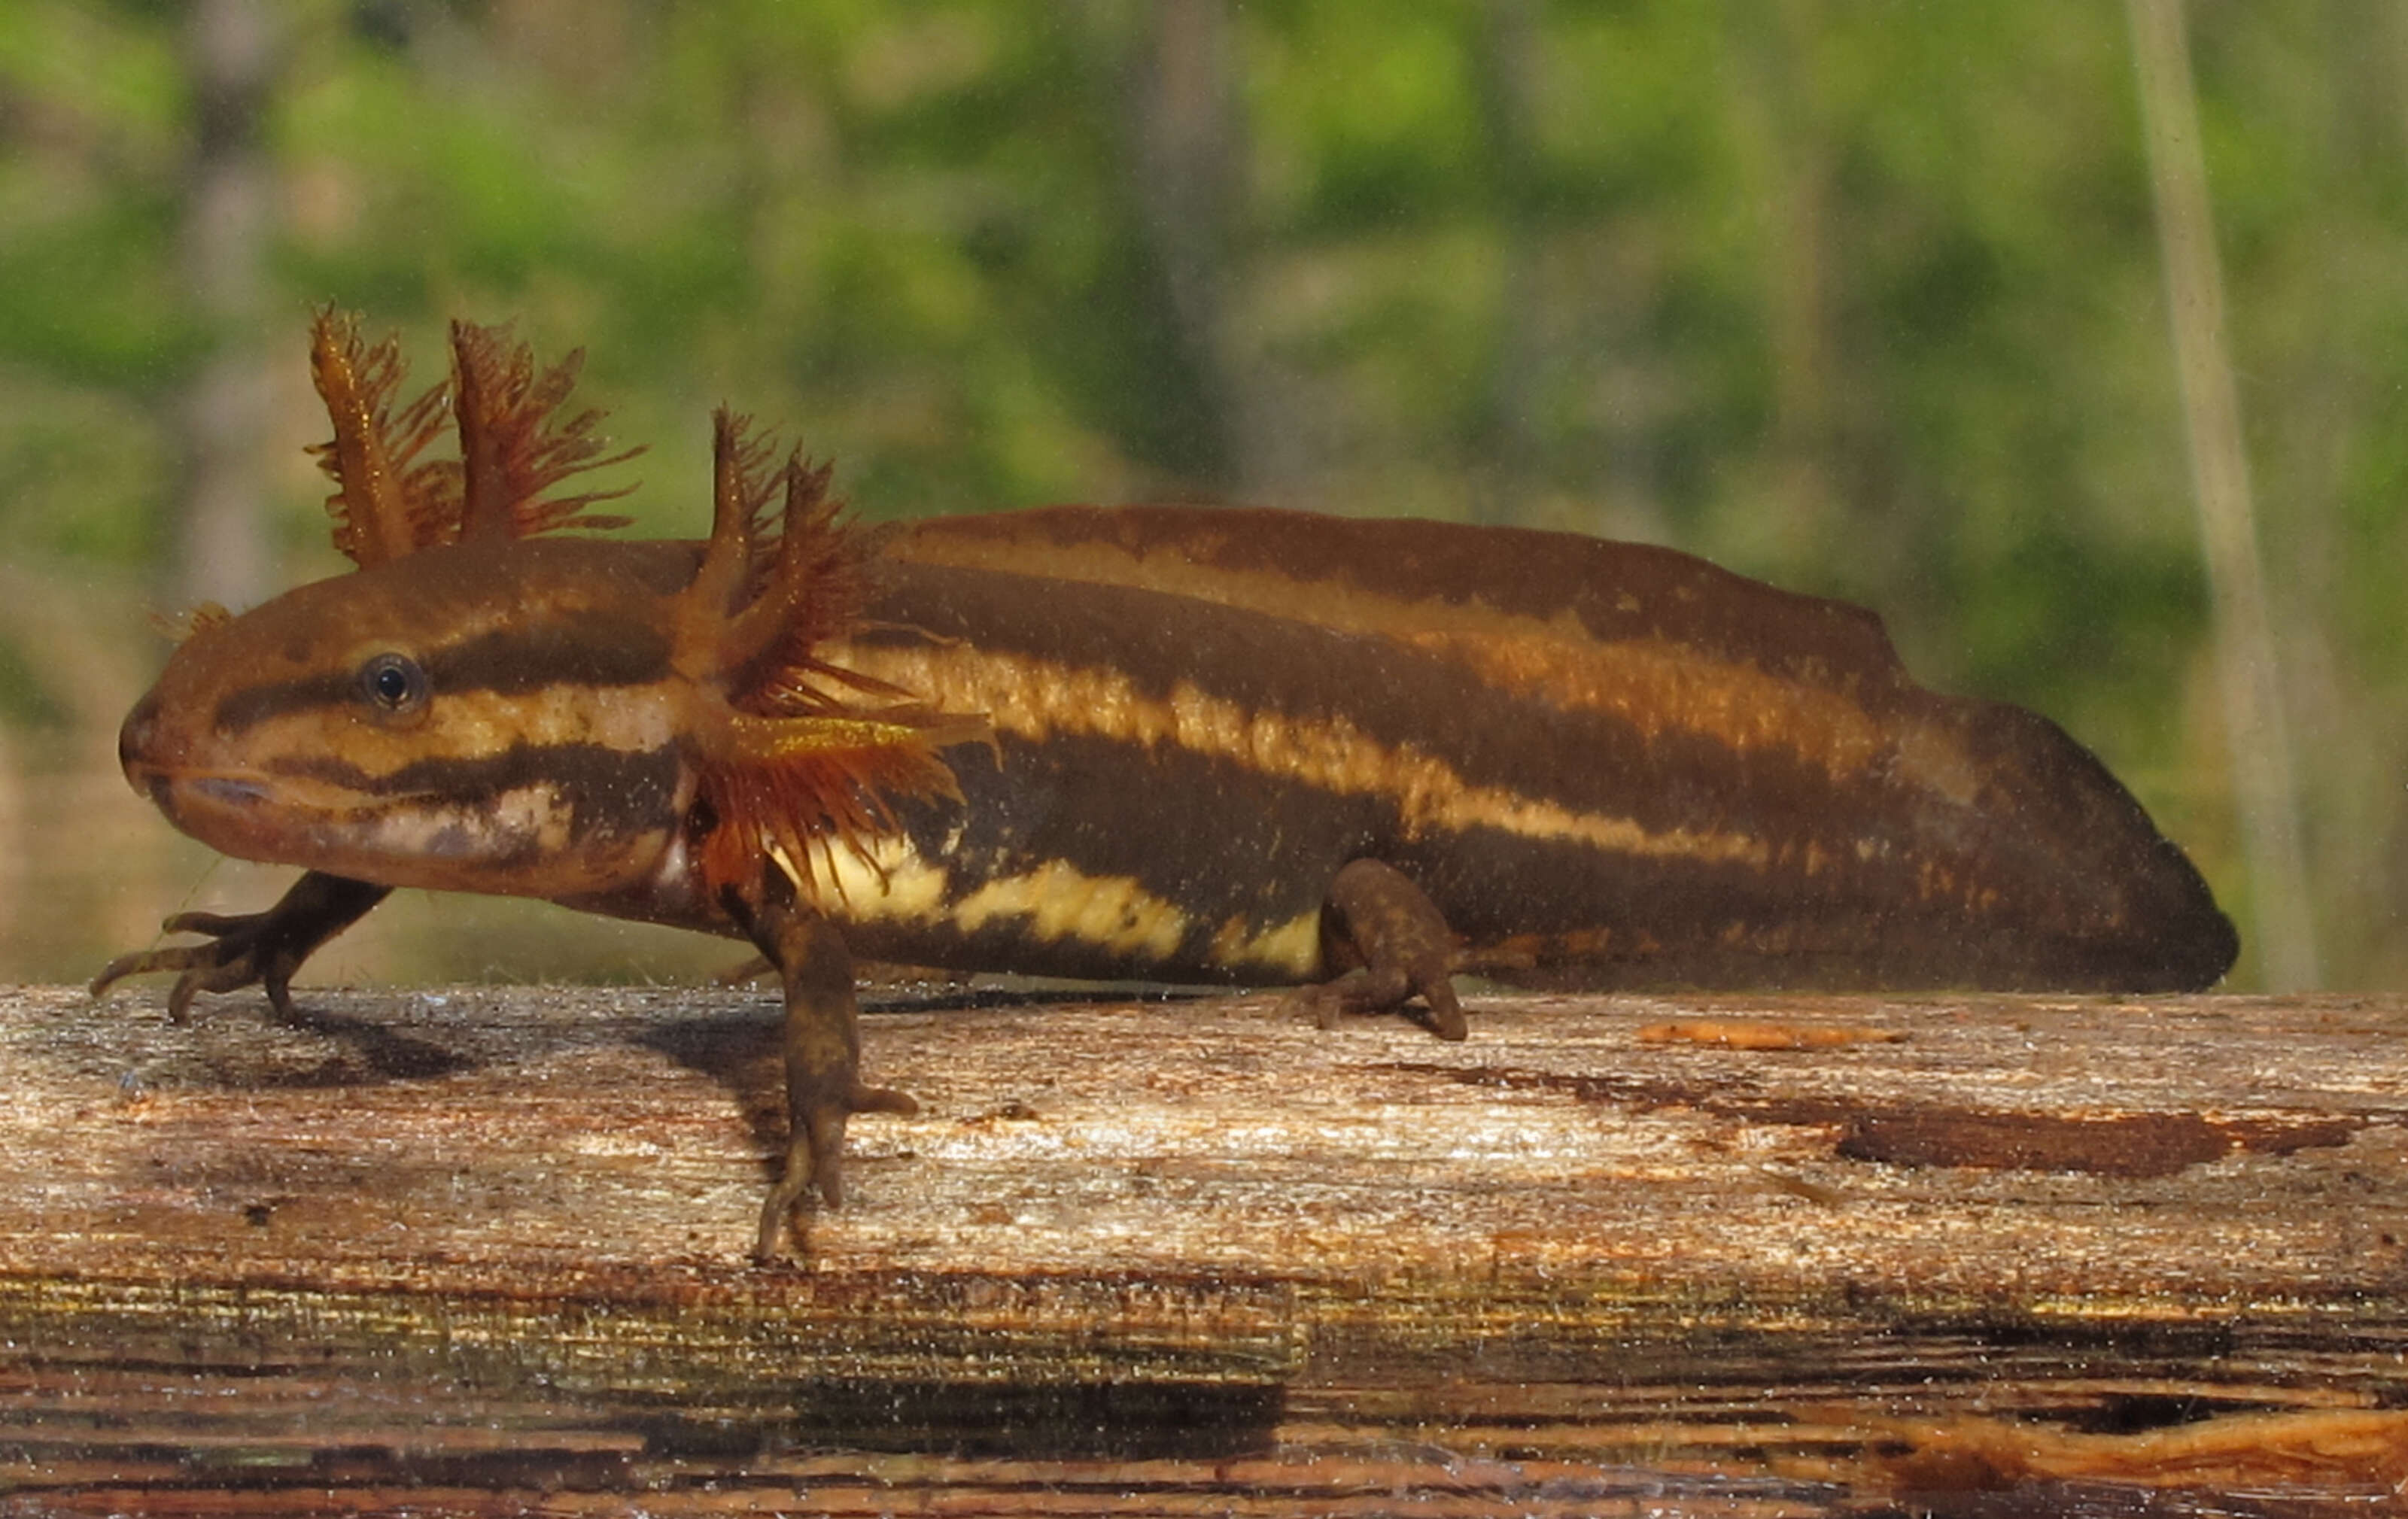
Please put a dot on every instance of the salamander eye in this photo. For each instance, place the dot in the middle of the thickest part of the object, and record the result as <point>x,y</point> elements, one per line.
<point>394,684</point>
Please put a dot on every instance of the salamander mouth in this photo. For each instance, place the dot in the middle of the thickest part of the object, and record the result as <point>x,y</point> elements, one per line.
<point>250,813</point>
<point>240,790</point>
<point>170,789</point>
<point>194,797</point>
<point>169,786</point>
<point>233,810</point>
<point>235,790</point>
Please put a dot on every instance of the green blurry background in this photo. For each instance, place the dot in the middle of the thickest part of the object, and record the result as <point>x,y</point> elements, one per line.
<point>1860,297</point>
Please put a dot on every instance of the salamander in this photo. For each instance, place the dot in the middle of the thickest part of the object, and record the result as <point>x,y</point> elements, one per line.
<point>1179,744</point>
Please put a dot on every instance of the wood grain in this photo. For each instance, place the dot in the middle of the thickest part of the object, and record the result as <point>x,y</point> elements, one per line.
<point>483,1251</point>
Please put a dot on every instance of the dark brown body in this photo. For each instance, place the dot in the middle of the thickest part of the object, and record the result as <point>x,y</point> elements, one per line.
<point>1607,765</point>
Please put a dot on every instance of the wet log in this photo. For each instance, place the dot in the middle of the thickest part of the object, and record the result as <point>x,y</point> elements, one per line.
<point>473,1250</point>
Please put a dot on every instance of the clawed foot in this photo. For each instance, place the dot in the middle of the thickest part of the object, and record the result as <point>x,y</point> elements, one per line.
<point>1390,990</point>
<point>815,1158</point>
<point>244,948</point>
<point>1379,919</point>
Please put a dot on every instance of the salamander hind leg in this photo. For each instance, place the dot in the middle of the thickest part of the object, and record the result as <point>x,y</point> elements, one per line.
<point>1377,918</point>
<point>822,1051</point>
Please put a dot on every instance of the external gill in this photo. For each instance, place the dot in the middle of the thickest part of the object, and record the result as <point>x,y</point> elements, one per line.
<point>514,446</point>
<point>384,499</point>
<point>792,766</point>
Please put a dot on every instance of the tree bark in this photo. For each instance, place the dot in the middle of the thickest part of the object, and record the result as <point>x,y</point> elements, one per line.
<point>1740,1256</point>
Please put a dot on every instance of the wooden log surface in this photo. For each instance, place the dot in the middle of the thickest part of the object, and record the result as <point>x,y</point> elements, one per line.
<point>483,1250</point>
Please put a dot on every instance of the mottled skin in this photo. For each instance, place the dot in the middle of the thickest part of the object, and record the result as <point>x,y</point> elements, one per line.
<point>1226,746</point>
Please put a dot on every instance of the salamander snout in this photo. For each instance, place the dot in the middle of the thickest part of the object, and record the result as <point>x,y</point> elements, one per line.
<point>137,738</point>
<point>141,748</point>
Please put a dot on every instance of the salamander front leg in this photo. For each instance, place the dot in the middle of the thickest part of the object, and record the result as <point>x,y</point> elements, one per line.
<point>1377,918</point>
<point>264,947</point>
<point>823,1049</point>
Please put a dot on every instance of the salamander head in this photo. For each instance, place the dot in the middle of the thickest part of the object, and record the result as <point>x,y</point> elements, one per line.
<point>489,717</point>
